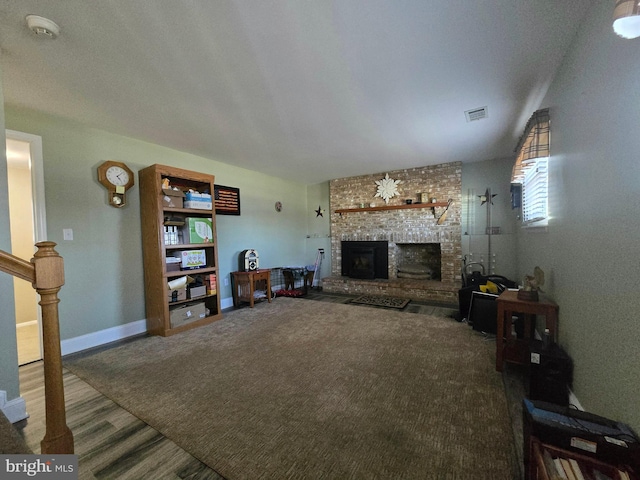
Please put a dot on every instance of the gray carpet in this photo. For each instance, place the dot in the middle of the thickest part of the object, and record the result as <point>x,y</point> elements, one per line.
<point>290,391</point>
<point>10,440</point>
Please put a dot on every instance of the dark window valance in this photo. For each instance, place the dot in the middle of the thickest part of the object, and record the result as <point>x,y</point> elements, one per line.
<point>533,144</point>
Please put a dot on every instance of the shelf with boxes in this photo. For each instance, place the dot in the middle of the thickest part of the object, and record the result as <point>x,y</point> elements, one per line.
<point>561,442</point>
<point>548,462</point>
<point>180,250</point>
<point>177,257</point>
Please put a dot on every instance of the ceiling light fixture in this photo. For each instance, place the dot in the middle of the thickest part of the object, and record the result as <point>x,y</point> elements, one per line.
<point>626,18</point>
<point>43,27</point>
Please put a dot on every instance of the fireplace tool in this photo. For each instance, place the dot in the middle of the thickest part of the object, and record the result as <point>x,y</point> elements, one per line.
<point>317,266</point>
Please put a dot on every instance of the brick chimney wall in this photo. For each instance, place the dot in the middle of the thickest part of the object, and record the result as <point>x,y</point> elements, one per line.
<point>402,226</point>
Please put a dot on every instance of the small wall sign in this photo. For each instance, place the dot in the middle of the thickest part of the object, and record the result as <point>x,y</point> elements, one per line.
<point>227,200</point>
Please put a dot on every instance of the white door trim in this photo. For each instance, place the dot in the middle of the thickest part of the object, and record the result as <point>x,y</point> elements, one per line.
<point>37,187</point>
<point>37,181</point>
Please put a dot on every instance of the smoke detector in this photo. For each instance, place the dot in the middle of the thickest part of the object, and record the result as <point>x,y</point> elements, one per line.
<point>43,27</point>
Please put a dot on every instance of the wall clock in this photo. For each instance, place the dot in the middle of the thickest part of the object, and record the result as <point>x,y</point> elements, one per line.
<point>117,178</point>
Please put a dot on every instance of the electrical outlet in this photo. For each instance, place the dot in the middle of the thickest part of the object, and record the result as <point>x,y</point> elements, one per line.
<point>535,358</point>
<point>226,282</point>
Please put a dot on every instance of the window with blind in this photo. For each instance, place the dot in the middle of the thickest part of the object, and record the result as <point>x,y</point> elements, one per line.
<point>531,169</point>
<point>534,192</point>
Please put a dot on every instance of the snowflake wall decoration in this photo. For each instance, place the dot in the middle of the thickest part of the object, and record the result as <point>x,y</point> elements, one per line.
<point>387,188</point>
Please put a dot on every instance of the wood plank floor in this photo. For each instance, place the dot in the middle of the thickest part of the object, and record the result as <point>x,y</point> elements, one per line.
<point>113,444</point>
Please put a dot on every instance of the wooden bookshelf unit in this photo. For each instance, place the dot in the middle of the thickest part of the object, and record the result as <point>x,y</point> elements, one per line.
<point>165,317</point>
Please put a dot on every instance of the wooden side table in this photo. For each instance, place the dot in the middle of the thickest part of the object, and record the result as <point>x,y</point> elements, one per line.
<point>517,350</point>
<point>244,285</point>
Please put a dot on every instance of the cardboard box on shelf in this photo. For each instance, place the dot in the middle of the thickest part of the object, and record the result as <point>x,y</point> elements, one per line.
<point>173,264</point>
<point>177,295</point>
<point>197,230</point>
<point>172,198</point>
<point>195,292</point>
<point>211,284</point>
<point>193,259</point>
<point>187,313</point>
<point>198,201</point>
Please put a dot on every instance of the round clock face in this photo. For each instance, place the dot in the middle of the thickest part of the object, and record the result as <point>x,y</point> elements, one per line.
<point>117,175</point>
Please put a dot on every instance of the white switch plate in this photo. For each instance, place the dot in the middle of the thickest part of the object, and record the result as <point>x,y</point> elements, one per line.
<point>226,281</point>
<point>67,234</point>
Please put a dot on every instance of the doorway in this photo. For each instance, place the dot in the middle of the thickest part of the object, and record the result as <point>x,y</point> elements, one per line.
<point>27,223</point>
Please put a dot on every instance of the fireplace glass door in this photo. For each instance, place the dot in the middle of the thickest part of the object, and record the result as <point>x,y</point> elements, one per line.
<point>365,259</point>
<point>362,263</point>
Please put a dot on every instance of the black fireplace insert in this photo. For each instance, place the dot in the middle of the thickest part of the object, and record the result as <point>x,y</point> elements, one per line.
<point>365,259</point>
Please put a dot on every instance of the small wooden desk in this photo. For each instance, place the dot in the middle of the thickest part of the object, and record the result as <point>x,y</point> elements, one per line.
<point>513,350</point>
<point>244,285</point>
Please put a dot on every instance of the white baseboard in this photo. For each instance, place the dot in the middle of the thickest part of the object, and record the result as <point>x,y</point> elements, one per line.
<point>102,337</point>
<point>15,410</point>
<point>573,401</point>
<point>108,335</point>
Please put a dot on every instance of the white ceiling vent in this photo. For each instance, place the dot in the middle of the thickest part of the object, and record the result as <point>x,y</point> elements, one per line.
<point>476,114</point>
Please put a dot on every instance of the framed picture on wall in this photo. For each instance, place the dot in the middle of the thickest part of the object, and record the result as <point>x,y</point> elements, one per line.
<point>227,200</point>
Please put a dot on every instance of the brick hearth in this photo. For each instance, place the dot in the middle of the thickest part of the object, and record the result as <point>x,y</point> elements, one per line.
<point>404,226</point>
<point>430,290</point>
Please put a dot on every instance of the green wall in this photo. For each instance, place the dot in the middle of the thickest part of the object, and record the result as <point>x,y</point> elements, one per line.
<point>590,253</point>
<point>496,252</point>
<point>319,227</point>
<point>8,353</point>
<point>103,264</point>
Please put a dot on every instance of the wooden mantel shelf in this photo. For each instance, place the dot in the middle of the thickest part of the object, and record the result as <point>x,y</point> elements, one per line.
<point>392,207</point>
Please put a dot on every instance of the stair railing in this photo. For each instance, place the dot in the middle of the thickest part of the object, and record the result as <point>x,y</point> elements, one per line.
<point>45,271</point>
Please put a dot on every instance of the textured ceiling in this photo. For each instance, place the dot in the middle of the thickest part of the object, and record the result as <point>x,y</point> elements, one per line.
<point>304,90</point>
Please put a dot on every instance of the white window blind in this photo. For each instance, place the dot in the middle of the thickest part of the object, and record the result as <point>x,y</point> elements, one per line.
<point>531,169</point>
<point>534,192</point>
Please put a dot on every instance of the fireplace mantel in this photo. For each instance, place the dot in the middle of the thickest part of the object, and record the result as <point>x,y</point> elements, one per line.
<point>392,207</point>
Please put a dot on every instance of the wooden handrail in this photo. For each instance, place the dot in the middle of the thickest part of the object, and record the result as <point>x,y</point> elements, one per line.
<point>46,274</point>
<point>17,267</point>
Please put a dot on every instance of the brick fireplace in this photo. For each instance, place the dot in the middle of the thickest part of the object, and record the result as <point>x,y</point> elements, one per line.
<point>423,258</point>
